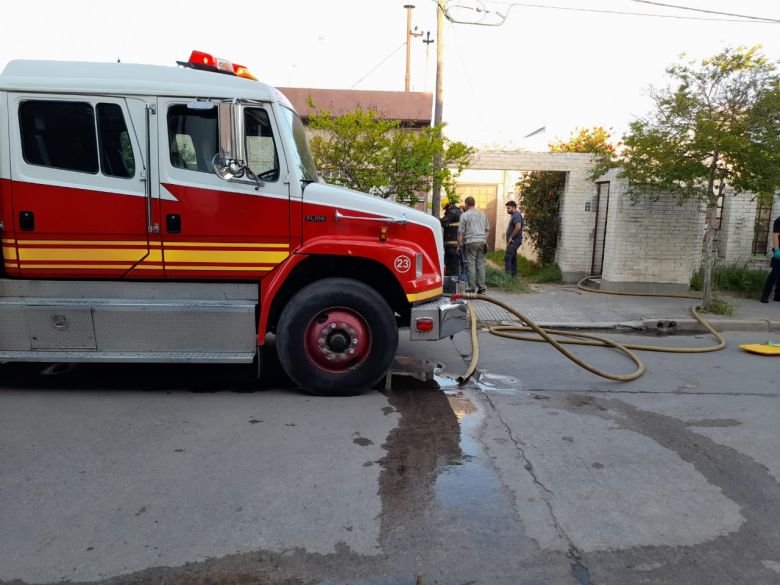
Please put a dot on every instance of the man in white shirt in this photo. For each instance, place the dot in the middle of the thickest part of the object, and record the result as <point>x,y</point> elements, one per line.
<point>472,238</point>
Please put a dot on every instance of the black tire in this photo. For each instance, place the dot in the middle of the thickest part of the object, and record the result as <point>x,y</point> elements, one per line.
<point>297,328</point>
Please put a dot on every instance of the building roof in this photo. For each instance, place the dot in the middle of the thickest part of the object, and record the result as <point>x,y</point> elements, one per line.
<point>409,107</point>
<point>129,79</point>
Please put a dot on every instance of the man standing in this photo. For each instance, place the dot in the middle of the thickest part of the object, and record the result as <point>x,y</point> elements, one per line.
<point>450,223</point>
<point>773,280</point>
<point>472,237</point>
<point>514,237</point>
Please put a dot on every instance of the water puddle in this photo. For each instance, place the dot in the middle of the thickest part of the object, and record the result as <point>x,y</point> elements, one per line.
<point>438,482</point>
<point>499,384</point>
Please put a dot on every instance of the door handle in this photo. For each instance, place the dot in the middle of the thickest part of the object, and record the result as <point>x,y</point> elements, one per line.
<point>26,221</point>
<point>173,223</point>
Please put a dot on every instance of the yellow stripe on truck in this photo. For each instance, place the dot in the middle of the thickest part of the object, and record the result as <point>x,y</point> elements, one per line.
<point>89,254</point>
<point>143,243</point>
<point>428,294</point>
<point>233,256</point>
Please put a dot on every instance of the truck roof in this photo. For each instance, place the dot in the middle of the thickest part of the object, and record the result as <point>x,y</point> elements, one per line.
<point>130,79</point>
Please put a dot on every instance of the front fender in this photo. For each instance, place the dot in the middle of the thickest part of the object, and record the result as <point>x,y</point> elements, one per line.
<point>399,256</point>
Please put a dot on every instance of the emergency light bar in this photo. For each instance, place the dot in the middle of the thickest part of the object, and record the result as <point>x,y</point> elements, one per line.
<point>206,62</point>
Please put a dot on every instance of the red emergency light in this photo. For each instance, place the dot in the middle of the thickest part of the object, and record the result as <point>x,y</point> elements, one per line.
<point>208,62</point>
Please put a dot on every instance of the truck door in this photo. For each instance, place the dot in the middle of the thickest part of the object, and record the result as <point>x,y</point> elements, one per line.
<point>214,229</point>
<point>78,188</point>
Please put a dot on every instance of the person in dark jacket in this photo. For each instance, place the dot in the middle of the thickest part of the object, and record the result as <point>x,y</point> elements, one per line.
<point>450,223</point>
<point>514,237</point>
<point>773,280</point>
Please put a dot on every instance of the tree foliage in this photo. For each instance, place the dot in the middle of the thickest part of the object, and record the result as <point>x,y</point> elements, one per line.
<point>540,202</point>
<point>596,140</point>
<point>541,190</point>
<point>365,152</point>
<point>717,123</point>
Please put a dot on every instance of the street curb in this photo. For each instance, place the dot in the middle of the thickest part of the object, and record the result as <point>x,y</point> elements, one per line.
<point>719,324</point>
<point>625,325</point>
<point>665,325</point>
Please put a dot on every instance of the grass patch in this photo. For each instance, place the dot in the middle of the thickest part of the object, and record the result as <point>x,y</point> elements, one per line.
<point>719,307</point>
<point>551,273</point>
<point>496,256</point>
<point>528,269</point>
<point>735,279</point>
<point>498,280</point>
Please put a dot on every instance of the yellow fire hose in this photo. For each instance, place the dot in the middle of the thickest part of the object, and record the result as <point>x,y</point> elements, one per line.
<point>546,335</point>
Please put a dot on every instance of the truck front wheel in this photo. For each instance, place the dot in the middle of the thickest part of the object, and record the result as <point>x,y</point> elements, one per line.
<point>336,337</point>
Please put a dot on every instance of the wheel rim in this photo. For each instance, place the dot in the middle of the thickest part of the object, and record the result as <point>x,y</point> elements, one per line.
<point>337,340</point>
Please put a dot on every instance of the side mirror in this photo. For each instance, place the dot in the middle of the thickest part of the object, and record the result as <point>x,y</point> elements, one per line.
<point>227,168</point>
<point>229,162</point>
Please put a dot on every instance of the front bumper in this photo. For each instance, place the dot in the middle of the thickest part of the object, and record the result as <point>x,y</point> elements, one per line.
<point>443,316</point>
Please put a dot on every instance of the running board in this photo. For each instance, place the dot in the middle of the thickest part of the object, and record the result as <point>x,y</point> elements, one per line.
<point>127,357</point>
<point>45,321</point>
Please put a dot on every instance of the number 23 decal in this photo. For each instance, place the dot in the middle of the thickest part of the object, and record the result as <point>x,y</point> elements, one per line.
<point>402,264</point>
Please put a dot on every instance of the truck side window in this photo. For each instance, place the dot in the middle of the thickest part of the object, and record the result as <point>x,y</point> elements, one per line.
<point>116,152</point>
<point>60,135</point>
<point>261,155</point>
<point>192,138</point>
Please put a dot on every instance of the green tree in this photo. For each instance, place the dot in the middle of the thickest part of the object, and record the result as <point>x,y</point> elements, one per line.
<point>365,152</point>
<point>596,140</point>
<point>541,190</point>
<point>540,201</point>
<point>717,123</point>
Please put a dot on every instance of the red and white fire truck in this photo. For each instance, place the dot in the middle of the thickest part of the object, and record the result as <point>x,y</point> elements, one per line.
<point>174,214</point>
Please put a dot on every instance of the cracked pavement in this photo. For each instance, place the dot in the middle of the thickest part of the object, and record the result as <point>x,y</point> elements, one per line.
<point>534,473</point>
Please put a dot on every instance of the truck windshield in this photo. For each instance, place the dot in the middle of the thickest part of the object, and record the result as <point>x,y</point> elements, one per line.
<point>303,160</point>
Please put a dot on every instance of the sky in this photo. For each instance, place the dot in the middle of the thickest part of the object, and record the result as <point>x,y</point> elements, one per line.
<point>543,67</point>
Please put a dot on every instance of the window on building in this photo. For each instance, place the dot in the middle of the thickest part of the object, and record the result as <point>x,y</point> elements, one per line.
<point>60,135</point>
<point>192,138</point>
<point>761,229</point>
<point>261,155</point>
<point>116,152</point>
<point>719,212</point>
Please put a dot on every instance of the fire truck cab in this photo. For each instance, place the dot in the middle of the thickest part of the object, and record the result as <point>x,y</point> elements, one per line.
<point>174,214</point>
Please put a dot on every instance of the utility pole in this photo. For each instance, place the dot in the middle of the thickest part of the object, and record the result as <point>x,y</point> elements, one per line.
<point>428,41</point>
<point>439,106</point>
<point>409,35</point>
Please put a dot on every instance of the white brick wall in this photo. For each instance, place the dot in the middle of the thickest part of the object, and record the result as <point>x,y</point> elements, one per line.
<point>655,241</point>
<point>575,241</point>
<point>737,229</point>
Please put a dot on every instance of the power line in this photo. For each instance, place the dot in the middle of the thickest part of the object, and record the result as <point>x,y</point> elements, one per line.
<point>760,18</point>
<point>474,101</point>
<point>485,12</point>
<point>382,62</point>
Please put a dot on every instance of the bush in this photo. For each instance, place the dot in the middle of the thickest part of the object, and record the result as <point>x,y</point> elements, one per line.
<point>734,279</point>
<point>719,307</point>
<point>540,197</point>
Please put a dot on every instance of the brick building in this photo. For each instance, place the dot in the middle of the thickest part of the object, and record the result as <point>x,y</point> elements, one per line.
<point>412,109</point>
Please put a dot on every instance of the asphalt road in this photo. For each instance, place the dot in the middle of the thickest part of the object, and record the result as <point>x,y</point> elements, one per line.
<point>536,472</point>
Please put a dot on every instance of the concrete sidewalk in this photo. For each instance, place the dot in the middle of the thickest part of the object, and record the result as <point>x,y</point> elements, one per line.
<point>565,306</point>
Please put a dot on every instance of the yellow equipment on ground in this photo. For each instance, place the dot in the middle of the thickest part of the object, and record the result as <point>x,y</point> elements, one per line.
<point>766,348</point>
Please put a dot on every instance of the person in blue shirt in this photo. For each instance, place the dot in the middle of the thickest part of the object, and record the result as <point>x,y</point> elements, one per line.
<point>773,280</point>
<point>514,237</point>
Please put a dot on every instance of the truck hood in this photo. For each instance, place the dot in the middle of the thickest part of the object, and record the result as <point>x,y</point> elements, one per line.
<point>345,199</point>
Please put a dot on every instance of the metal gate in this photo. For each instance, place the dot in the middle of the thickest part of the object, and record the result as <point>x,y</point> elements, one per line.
<point>486,198</point>
<point>600,229</point>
